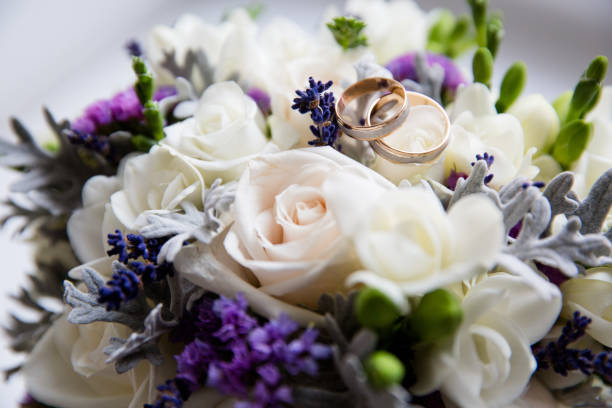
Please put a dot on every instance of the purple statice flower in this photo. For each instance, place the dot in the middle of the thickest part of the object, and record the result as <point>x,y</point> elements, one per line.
<point>261,98</point>
<point>235,321</point>
<point>163,92</point>
<point>190,362</point>
<point>403,67</point>
<point>99,113</point>
<point>125,106</point>
<point>84,125</point>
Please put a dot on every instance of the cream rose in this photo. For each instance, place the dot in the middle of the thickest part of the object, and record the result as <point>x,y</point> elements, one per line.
<point>85,224</point>
<point>158,180</point>
<point>477,128</point>
<point>410,245</point>
<point>387,29</point>
<point>284,230</point>
<point>591,295</point>
<point>67,369</point>
<point>226,132</point>
<point>489,362</point>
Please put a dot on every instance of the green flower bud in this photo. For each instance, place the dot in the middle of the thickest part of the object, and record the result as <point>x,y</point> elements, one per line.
<point>585,95</point>
<point>495,34</point>
<point>511,86</point>
<point>482,66</point>
<point>440,32</point>
<point>561,104</point>
<point>437,316</point>
<point>139,66</point>
<point>479,15</point>
<point>154,120</point>
<point>571,142</point>
<point>384,369</point>
<point>597,69</point>
<point>144,88</point>
<point>374,310</point>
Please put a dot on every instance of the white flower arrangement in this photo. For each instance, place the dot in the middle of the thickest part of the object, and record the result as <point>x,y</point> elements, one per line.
<point>233,243</point>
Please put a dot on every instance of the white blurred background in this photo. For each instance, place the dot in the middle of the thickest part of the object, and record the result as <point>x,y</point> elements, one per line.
<point>65,54</point>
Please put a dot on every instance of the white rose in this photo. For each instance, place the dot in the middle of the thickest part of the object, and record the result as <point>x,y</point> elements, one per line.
<point>225,133</point>
<point>477,128</point>
<point>392,27</point>
<point>285,232</point>
<point>489,362</point>
<point>84,227</point>
<point>67,369</point>
<point>539,120</point>
<point>410,245</point>
<point>597,158</point>
<point>158,180</point>
<point>591,295</point>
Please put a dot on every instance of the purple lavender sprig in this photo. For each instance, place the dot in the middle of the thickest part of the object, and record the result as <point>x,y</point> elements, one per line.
<point>320,105</point>
<point>139,266</point>
<point>562,358</point>
<point>232,351</point>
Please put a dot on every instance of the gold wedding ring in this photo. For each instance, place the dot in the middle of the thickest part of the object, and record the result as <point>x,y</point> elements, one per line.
<point>361,128</point>
<point>381,108</point>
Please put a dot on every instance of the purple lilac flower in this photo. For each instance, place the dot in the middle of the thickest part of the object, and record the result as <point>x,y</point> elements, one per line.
<point>236,354</point>
<point>261,98</point>
<point>402,68</point>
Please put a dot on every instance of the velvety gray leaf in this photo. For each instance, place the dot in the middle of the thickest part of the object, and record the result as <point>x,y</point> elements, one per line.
<point>594,209</point>
<point>127,353</point>
<point>584,395</point>
<point>183,293</point>
<point>557,192</point>
<point>516,200</point>
<point>194,65</point>
<point>474,184</point>
<point>86,308</point>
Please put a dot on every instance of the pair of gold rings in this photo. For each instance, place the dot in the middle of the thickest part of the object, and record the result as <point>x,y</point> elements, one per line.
<point>385,105</point>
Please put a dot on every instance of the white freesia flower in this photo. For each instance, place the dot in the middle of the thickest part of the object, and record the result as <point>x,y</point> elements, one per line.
<point>591,295</point>
<point>285,231</point>
<point>158,180</point>
<point>477,128</point>
<point>225,133</point>
<point>410,245</point>
<point>597,158</point>
<point>539,121</point>
<point>85,224</point>
<point>392,27</point>
<point>489,361</point>
<point>67,369</point>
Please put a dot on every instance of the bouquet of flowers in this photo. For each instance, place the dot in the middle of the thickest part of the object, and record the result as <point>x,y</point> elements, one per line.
<point>270,217</point>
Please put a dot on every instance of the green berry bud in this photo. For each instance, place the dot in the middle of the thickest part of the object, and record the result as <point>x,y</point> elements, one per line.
<point>571,142</point>
<point>597,69</point>
<point>437,316</point>
<point>384,369</point>
<point>511,86</point>
<point>154,120</point>
<point>375,310</point>
<point>482,66</point>
<point>139,66</point>
<point>495,34</point>
<point>585,95</point>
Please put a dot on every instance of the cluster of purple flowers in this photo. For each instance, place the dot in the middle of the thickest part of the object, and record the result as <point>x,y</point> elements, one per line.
<point>320,105</point>
<point>139,259</point>
<point>562,358</point>
<point>122,112</point>
<point>232,351</point>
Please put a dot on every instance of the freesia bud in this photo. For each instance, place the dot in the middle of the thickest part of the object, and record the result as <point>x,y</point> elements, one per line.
<point>512,85</point>
<point>571,142</point>
<point>437,316</point>
<point>482,66</point>
<point>597,69</point>
<point>375,310</point>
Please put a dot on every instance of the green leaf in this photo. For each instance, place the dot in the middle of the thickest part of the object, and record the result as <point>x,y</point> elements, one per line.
<point>347,32</point>
<point>571,142</point>
<point>512,85</point>
<point>482,66</point>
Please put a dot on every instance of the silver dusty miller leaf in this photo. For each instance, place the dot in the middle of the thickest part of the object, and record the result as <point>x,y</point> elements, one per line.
<point>52,181</point>
<point>584,395</point>
<point>559,194</point>
<point>474,184</point>
<point>192,224</point>
<point>561,250</point>
<point>430,78</point>
<point>86,308</point>
<point>195,68</point>
<point>595,208</point>
<point>127,353</point>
